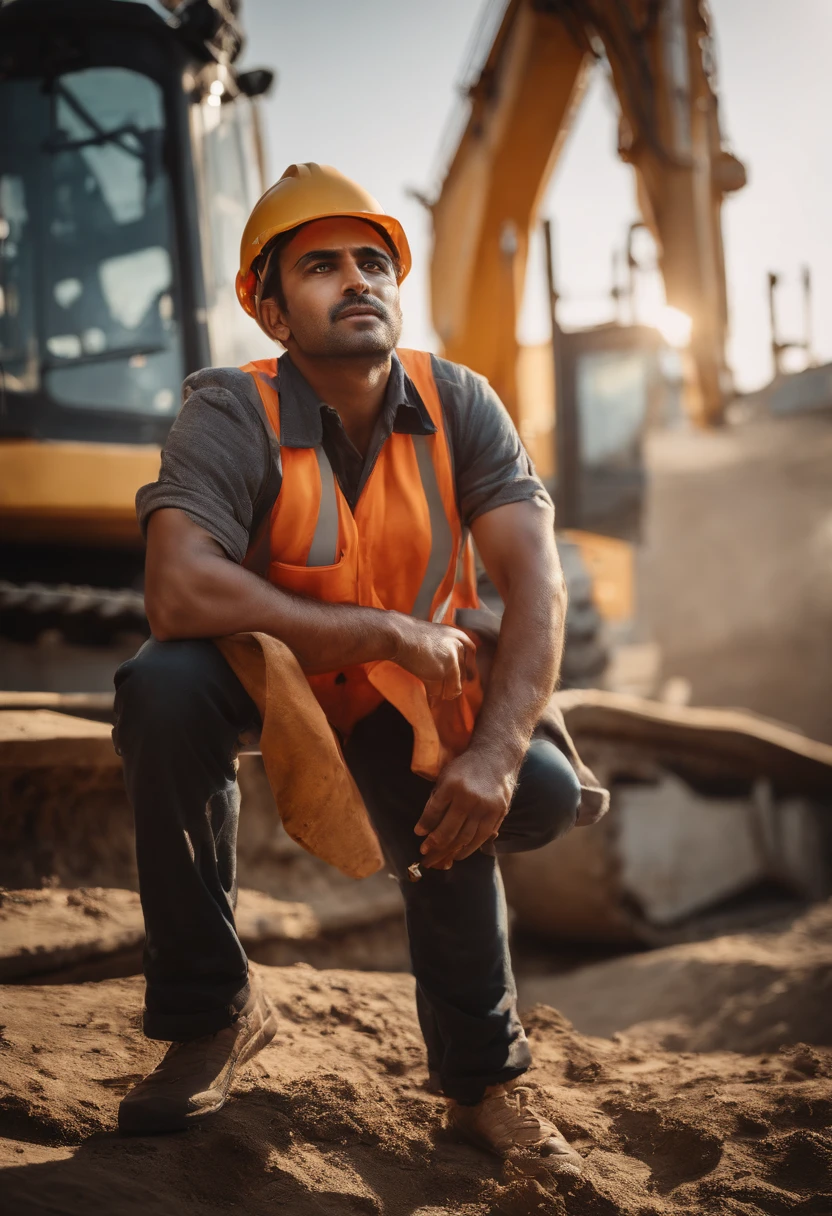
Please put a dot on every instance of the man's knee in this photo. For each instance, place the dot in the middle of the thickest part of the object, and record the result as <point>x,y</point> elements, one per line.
<point>547,799</point>
<point>171,686</point>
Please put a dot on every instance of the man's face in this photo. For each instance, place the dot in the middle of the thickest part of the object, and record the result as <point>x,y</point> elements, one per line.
<point>340,290</point>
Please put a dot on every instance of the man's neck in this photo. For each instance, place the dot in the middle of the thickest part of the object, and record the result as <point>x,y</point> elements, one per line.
<point>354,387</point>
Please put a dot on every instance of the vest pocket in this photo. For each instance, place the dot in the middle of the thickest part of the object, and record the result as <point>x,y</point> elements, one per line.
<point>291,571</point>
<point>335,583</point>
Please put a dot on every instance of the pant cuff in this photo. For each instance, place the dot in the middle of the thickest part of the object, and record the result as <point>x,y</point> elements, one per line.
<point>179,1027</point>
<point>470,1091</point>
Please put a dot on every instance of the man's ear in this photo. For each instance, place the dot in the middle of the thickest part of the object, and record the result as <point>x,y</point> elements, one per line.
<point>273,321</point>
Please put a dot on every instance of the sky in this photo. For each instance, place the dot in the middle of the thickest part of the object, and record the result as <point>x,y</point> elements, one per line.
<point>372,86</point>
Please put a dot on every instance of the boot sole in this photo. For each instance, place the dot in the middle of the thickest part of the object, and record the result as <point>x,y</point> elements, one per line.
<point>135,1121</point>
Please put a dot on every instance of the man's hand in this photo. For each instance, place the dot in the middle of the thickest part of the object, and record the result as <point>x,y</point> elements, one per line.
<point>469,802</point>
<point>473,793</point>
<point>441,656</point>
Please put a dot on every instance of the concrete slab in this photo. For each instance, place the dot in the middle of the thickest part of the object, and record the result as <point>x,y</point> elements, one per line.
<point>42,738</point>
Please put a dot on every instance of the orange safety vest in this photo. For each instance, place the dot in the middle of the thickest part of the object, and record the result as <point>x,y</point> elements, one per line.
<point>404,549</point>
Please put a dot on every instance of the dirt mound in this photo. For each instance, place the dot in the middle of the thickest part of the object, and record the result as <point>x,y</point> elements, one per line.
<point>55,935</point>
<point>750,992</point>
<point>334,1118</point>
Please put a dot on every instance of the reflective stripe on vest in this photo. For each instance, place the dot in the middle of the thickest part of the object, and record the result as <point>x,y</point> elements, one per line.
<point>324,548</point>
<point>442,608</point>
<point>441,540</point>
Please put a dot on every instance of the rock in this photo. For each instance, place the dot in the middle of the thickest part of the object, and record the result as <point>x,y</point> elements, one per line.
<point>41,738</point>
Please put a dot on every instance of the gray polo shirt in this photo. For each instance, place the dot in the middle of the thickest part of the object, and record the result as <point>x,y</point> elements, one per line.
<point>221,462</point>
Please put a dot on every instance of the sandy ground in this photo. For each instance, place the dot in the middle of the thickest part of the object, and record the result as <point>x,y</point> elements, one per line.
<point>744,992</point>
<point>334,1119</point>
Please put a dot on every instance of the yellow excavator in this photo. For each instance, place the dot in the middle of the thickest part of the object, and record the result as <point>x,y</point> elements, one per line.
<point>130,158</point>
<point>580,404</point>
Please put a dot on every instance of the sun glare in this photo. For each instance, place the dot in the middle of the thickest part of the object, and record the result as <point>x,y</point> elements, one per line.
<point>673,325</point>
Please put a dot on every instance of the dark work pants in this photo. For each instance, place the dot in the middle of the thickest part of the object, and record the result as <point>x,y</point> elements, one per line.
<point>180,711</point>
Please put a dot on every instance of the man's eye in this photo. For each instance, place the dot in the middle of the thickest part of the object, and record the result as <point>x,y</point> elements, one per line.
<point>321,266</point>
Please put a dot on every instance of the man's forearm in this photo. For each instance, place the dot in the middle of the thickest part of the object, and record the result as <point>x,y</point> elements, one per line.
<point>203,594</point>
<point>525,668</point>
<point>323,636</point>
<point>192,590</point>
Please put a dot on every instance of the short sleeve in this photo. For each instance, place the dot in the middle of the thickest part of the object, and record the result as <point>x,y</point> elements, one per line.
<point>215,461</point>
<point>491,466</point>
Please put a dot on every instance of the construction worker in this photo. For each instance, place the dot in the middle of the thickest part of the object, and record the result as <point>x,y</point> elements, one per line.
<point>325,499</point>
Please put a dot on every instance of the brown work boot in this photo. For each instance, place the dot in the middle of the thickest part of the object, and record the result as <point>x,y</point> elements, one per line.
<point>194,1077</point>
<point>504,1123</point>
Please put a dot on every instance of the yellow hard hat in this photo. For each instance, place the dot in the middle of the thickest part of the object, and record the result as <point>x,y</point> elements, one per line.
<point>309,192</point>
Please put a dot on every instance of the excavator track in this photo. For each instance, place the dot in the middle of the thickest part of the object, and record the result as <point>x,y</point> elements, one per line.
<point>81,613</point>
<point>96,616</point>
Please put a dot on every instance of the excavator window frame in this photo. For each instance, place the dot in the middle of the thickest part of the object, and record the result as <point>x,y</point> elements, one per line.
<point>119,36</point>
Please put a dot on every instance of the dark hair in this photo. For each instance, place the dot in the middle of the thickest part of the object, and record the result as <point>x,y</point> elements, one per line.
<point>273,285</point>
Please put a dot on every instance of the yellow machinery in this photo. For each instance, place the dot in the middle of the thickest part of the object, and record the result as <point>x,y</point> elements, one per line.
<point>130,158</point>
<point>521,107</point>
<point>128,164</point>
<point>581,405</point>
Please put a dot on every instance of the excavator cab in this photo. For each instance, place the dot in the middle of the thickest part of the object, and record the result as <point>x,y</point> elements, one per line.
<point>129,161</point>
<point>130,158</point>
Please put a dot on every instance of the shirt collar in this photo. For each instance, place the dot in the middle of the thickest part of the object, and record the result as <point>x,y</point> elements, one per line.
<point>301,412</point>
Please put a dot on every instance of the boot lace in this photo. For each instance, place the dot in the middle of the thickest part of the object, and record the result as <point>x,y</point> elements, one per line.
<point>517,1121</point>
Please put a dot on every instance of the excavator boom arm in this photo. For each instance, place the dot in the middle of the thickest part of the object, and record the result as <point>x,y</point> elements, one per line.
<point>521,108</point>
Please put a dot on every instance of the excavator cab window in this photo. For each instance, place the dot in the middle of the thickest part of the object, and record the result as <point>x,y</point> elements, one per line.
<point>227,163</point>
<point>87,295</point>
<point>614,383</point>
<point>613,388</point>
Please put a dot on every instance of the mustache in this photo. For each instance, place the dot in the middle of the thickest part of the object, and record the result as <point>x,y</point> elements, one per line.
<point>368,302</point>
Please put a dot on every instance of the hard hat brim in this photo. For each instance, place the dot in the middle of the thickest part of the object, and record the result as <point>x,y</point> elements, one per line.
<point>247,280</point>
